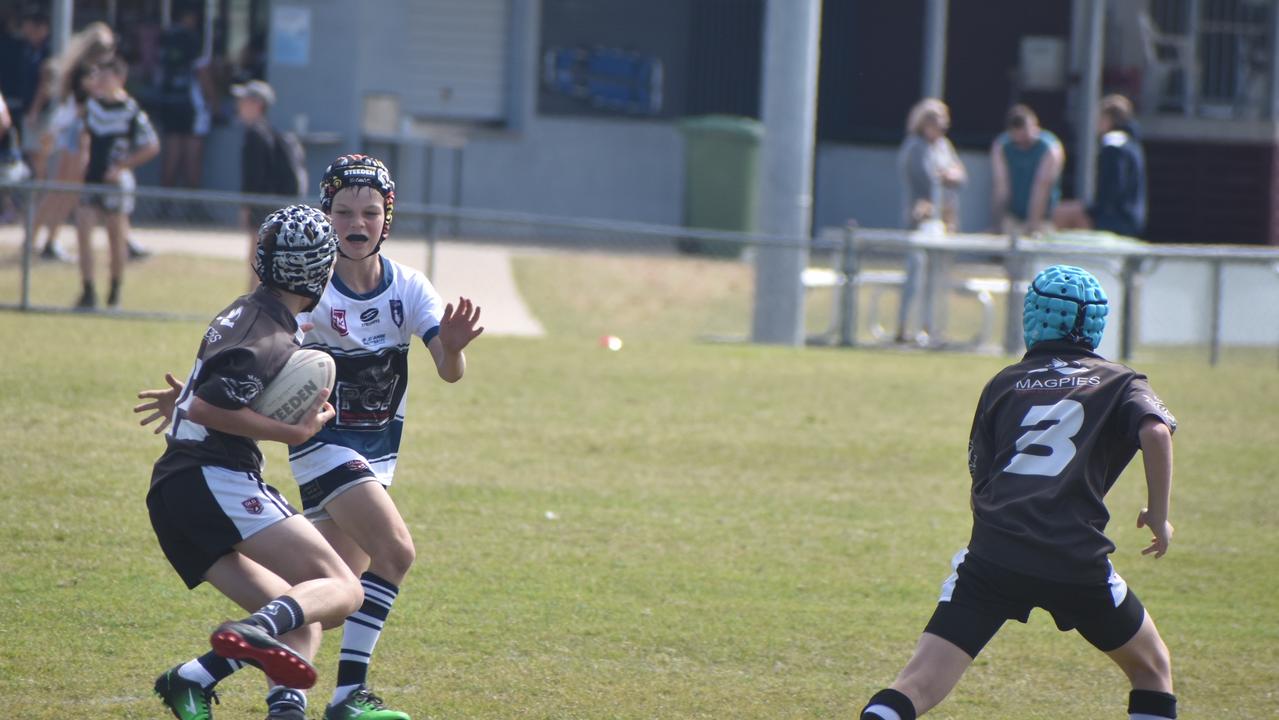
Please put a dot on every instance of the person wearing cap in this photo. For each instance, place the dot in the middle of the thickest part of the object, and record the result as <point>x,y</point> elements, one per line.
<point>253,99</point>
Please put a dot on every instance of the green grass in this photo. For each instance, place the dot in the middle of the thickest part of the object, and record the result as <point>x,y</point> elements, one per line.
<point>739,532</point>
<point>184,285</point>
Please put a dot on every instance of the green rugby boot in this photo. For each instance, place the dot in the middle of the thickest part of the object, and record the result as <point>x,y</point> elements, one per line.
<point>185,698</point>
<point>362,704</point>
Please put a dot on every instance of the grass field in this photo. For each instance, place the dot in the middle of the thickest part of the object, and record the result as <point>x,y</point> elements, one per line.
<point>676,530</point>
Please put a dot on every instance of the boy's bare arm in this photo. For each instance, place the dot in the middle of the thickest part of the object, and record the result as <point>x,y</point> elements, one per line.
<point>141,156</point>
<point>1156,454</point>
<point>250,424</point>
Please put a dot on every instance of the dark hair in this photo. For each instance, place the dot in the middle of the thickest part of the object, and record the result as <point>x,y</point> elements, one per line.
<point>35,14</point>
<point>115,65</point>
<point>1020,117</point>
<point>1118,109</point>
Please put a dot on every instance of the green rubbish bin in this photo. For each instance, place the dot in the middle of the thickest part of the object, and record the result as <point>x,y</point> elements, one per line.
<point>721,179</point>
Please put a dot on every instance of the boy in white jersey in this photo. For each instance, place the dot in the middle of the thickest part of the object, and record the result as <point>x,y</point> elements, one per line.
<point>368,319</point>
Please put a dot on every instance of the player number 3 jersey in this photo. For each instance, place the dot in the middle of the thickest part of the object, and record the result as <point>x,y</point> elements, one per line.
<point>1051,435</point>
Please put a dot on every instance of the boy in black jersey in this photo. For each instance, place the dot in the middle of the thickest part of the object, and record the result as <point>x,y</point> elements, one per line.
<point>215,517</point>
<point>117,137</point>
<point>1050,436</point>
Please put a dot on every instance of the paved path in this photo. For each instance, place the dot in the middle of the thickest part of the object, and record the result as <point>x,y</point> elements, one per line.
<point>481,272</point>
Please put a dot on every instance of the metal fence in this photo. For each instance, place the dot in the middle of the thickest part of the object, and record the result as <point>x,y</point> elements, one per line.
<point>853,282</point>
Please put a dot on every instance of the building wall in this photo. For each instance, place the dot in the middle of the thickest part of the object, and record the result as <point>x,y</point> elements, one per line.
<point>611,169</point>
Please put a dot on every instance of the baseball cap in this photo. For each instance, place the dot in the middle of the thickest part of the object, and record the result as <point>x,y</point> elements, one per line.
<point>255,89</point>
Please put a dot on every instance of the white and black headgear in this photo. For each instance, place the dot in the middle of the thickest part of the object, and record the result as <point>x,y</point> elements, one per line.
<point>296,250</point>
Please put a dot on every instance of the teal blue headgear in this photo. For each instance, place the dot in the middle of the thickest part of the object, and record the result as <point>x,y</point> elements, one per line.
<point>1065,303</point>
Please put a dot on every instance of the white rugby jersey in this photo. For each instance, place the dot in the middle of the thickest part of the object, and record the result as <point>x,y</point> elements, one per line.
<point>369,337</point>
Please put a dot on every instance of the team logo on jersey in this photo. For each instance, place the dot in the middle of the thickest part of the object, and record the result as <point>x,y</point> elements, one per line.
<point>367,402</point>
<point>242,391</point>
<point>397,313</point>
<point>368,317</point>
<point>229,319</point>
<point>1062,367</point>
<point>1069,372</point>
<point>337,318</point>
<point>253,505</point>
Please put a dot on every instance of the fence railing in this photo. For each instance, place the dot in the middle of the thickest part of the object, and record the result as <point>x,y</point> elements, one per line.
<point>848,251</point>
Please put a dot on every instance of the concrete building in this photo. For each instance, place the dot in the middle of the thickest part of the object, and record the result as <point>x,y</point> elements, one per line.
<point>570,108</point>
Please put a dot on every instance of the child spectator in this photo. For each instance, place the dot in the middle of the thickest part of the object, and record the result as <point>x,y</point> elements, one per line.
<point>117,138</point>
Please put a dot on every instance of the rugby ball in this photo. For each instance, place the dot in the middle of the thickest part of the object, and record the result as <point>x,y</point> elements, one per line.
<point>295,391</point>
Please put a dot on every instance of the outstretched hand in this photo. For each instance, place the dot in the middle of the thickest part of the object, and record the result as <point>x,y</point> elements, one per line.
<point>458,327</point>
<point>1162,534</point>
<point>161,403</point>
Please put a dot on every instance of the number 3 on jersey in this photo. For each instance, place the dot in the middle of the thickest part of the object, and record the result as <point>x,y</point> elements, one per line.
<point>1067,417</point>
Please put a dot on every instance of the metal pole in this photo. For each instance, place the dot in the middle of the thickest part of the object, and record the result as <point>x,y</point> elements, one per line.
<point>60,25</point>
<point>848,264</point>
<point>1190,88</point>
<point>1089,96</point>
<point>1128,275</point>
<point>457,187</point>
<point>1274,67</point>
<point>1016,266</point>
<point>28,247</point>
<point>1218,270</point>
<point>210,9</point>
<point>428,187</point>
<point>431,245</point>
<point>933,83</point>
<point>789,102</point>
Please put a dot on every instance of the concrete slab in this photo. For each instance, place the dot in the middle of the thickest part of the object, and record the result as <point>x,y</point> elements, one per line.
<point>481,272</point>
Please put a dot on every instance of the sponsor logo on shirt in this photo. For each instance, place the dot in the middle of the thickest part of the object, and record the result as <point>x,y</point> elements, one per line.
<point>1161,407</point>
<point>229,319</point>
<point>365,402</point>
<point>337,318</point>
<point>1051,383</point>
<point>1062,367</point>
<point>1069,370</point>
<point>369,317</point>
<point>212,335</point>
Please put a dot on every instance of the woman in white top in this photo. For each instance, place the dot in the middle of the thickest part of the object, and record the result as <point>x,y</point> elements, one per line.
<point>931,175</point>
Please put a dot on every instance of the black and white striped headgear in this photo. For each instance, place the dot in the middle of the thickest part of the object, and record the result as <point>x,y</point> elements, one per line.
<point>296,250</point>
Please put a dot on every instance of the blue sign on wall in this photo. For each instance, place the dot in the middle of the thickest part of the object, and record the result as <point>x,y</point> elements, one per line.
<point>291,35</point>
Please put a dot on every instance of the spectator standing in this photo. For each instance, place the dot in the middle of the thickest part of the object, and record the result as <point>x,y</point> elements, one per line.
<point>257,157</point>
<point>1119,201</point>
<point>20,74</point>
<point>183,107</point>
<point>65,97</point>
<point>931,175</point>
<point>117,137</point>
<point>1026,162</point>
